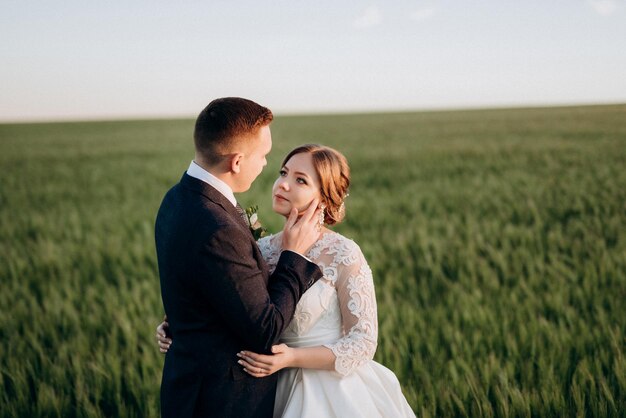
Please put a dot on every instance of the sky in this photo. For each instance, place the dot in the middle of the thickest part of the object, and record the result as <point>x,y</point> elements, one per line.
<point>87,59</point>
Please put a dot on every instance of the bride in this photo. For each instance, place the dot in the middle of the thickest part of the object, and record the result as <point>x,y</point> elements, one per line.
<point>324,358</point>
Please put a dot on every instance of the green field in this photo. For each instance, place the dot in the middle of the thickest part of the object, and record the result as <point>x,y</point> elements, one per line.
<point>497,239</point>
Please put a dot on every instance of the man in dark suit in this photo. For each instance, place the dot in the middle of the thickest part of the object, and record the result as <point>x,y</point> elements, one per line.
<point>217,293</point>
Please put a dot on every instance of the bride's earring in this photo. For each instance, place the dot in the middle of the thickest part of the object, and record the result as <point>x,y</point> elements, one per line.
<point>322,215</point>
<point>342,207</point>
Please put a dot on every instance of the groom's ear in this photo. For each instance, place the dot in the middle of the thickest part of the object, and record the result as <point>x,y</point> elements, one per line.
<point>235,162</point>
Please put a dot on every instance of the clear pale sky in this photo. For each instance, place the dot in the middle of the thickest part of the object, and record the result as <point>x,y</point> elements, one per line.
<point>123,59</point>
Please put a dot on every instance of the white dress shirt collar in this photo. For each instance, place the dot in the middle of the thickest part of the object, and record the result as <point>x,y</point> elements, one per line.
<point>200,173</point>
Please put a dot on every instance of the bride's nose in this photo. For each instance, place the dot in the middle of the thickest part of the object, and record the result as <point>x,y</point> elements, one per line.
<point>284,185</point>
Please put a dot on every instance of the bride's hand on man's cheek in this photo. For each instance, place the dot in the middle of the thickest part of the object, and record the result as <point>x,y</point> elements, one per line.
<point>261,365</point>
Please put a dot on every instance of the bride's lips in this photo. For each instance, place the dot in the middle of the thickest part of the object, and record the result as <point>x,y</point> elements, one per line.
<point>280,197</point>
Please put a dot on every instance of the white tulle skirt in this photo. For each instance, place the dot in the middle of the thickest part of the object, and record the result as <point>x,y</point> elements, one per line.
<point>372,390</point>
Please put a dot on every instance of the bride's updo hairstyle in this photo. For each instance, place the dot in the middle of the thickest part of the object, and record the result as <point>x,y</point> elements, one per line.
<point>334,174</point>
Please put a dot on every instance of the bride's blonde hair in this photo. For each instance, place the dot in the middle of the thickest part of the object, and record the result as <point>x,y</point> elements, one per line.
<point>334,174</point>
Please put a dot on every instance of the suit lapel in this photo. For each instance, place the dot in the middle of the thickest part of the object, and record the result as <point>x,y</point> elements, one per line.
<point>213,195</point>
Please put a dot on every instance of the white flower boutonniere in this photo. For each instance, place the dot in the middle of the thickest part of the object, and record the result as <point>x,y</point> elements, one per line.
<point>253,222</point>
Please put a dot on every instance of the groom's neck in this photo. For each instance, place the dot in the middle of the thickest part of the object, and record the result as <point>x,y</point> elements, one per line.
<point>216,170</point>
<point>205,166</point>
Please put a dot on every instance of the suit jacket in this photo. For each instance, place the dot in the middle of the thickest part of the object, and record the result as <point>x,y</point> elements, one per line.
<point>219,299</point>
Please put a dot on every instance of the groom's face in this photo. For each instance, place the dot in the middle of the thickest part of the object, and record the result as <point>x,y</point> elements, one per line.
<point>255,158</point>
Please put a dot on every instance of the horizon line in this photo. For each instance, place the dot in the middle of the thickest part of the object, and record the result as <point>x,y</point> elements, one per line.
<point>312,112</point>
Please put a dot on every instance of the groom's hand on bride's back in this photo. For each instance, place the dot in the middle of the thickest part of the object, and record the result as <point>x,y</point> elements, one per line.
<point>299,234</point>
<point>162,332</point>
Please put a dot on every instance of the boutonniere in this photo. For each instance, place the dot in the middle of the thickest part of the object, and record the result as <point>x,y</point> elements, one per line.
<point>253,222</point>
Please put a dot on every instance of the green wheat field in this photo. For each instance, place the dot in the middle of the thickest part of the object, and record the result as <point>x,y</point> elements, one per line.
<point>497,239</point>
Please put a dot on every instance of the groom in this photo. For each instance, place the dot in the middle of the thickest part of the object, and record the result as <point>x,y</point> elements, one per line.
<point>218,295</point>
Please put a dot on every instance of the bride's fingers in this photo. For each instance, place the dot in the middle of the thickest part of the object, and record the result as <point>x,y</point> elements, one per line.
<point>251,367</point>
<point>254,374</point>
<point>255,364</point>
<point>253,370</point>
<point>255,358</point>
<point>255,367</point>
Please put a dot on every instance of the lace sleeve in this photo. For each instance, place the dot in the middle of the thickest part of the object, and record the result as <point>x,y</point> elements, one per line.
<point>357,301</point>
<point>269,251</point>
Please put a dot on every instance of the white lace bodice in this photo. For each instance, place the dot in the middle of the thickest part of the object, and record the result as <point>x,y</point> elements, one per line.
<point>339,311</point>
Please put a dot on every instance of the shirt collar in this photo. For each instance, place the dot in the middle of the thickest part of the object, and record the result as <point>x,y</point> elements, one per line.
<point>200,173</point>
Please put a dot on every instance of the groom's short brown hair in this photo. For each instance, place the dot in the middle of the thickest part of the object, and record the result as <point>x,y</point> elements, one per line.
<point>224,122</point>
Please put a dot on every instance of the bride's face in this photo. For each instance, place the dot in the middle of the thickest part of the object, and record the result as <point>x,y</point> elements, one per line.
<point>296,186</point>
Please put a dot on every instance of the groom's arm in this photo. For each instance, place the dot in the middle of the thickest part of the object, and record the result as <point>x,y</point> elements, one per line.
<point>236,287</point>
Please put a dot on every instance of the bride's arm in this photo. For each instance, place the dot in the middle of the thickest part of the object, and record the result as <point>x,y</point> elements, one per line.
<point>357,300</point>
<point>321,358</point>
<point>260,365</point>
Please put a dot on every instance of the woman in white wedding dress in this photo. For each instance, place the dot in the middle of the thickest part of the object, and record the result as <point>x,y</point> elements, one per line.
<point>325,357</point>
